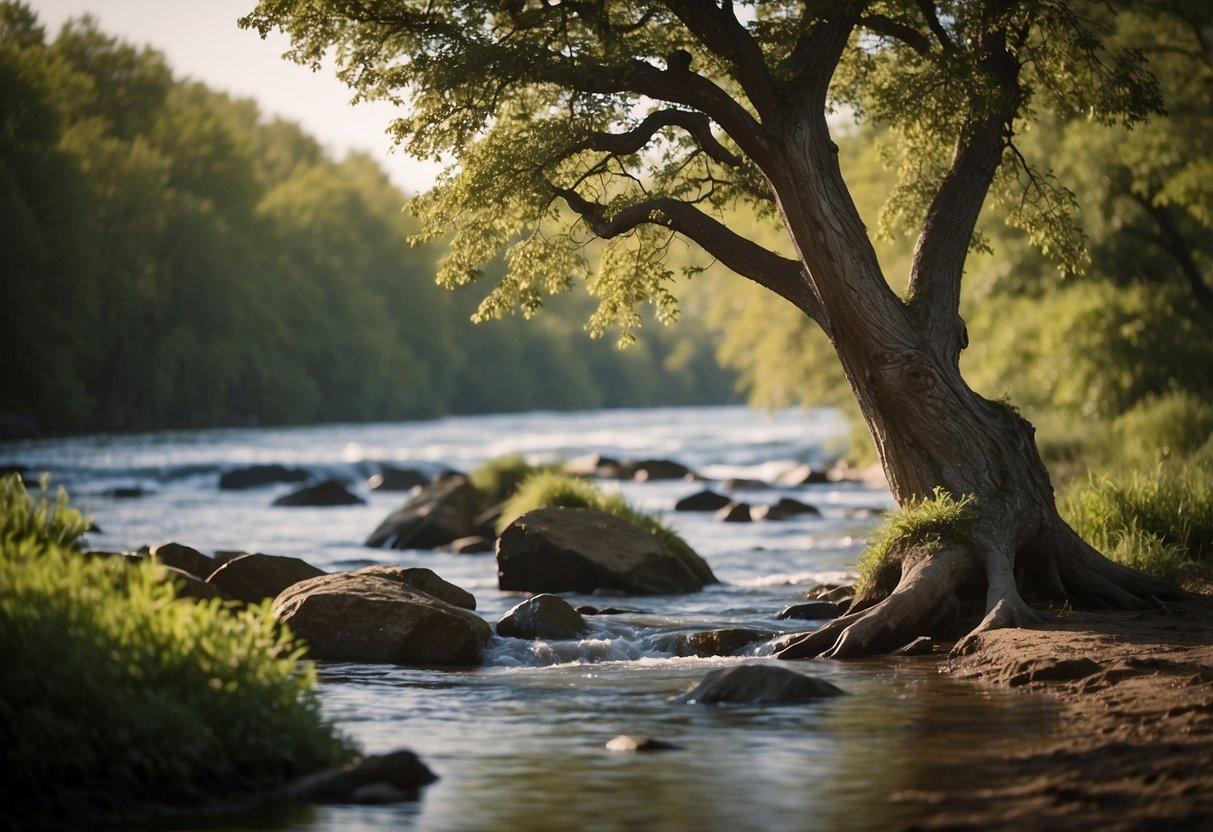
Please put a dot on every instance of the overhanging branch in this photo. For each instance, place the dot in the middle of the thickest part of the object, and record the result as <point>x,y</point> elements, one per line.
<point>781,275</point>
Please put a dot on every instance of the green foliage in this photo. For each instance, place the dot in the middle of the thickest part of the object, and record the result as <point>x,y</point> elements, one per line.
<point>181,261</point>
<point>1173,427</point>
<point>500,477</point>
<point>552,488</point>
<point>117,692</point>
<point>923,524</point>
<point>1151,521</point>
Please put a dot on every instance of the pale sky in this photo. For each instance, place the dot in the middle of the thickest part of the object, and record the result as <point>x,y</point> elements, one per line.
<point>202,41</point>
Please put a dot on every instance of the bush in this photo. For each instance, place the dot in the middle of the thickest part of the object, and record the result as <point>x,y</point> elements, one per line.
<point>1161,428</point>
<point>1153,523</point>
<point>552,488</point>
<point>116,692</point>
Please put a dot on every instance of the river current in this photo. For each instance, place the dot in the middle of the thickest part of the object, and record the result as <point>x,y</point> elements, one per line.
<point>519,744</point>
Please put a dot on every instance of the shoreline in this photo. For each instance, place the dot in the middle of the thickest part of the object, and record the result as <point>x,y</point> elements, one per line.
<point>1132,745</point>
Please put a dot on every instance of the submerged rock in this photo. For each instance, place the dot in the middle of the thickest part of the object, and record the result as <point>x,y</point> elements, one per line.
<point>543,617</point>
<point>661,469</point>
<point>811,611</point>
<point>629,743</point>
<point>444,511</point>
<point>254,476</point>
<point>582,550</point>
<point>783,509</point>
<point>385,778</point>
<point>726,642</point>
<point>253,578</point>
<point>801,475</point>
<point>391,478</point>
<point>367,616</point>
<point>326,493</point>
<point>734,512</point>
<point>758,684</point>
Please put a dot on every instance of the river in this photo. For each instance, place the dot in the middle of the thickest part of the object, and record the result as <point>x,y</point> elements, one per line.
<point>519,744</point>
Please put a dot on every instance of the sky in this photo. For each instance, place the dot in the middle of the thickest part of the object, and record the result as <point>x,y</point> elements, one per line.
<point>202,41</point>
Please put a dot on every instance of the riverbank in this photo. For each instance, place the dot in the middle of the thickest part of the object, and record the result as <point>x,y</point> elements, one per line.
<point>1132,745</point>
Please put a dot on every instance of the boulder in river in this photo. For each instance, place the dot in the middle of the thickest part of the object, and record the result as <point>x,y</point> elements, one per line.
<point>445,510</point>
<point>543,617</point>
<point>328,492</point>
<point>785,508</point>
<point>367,617</point>
<point>758,684</point>
<point>729,641</point>
<point>253,578</point>
<point>801,475</point>
<point>423,580</point>
<point>706,500</point>
<point>385,778</point>
<point>254,476</point>
<point>649,470</point>
<point>185,558</point>
<point>583,550</point>
<point>391,478</point>
<point>734,512</point>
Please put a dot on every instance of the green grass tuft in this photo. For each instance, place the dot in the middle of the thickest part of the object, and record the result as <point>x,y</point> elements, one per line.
<point>116,692</point>
<point>500,477</point>
<point>923,523</point>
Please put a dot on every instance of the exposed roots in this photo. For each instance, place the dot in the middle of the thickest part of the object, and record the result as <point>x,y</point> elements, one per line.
<point>936,584</point>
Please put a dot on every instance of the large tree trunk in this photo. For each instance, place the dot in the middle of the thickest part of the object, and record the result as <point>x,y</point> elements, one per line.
<point>933,432</point>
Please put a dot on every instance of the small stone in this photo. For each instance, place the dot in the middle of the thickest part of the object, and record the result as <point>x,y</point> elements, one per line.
<point>734,512</point>
<point>812,611</point>
<point>758,684</point>
<point>627,742</point>
<point>326,493</point>
<point>543,617</point>
<point>706,500</point>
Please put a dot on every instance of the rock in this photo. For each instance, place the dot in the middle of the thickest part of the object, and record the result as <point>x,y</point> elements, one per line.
<point>423,580</point>
<point>705,500</point>
<point>124,492</point>
<point>390,478</point>
<point>325,493</point>
<point>734,512</point>
<point>543,617</point>
<point>801,475</point>
<point>254,476</point>
<point>253,578</point>
<point>386,778</point>
<point>726,642</point>
<point>921,646</point>
<point>629,743</point>
<point>367,617</point>
<point>758,684</point>
<point>661,469</point>
<point>835,593</point>
<point>601,467</point>
<point>812,611</point>
<point>184,558</point>
<point>191,586</point>
<point>785,508</point>
<point>445,510</point>
<point>476,544</point>
<point>582,550</point>
<point>586,609</point>
<point>742,484</point>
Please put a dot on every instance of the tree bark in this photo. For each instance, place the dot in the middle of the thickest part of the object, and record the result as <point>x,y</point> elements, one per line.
<point>932,431</point>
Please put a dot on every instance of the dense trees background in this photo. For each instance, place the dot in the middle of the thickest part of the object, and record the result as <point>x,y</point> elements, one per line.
<point>171,258</point>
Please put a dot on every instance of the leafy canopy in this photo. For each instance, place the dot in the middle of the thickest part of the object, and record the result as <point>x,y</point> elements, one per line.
<point>636,122</point>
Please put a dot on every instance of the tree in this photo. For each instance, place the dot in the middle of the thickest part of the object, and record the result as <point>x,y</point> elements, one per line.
<point>641,122</point>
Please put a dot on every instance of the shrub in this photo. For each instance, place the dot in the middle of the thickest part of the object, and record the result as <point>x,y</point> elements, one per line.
<point>116,692</point>
<point>1161,428</point>
<point>552,488</point>
<point>1153,523</point>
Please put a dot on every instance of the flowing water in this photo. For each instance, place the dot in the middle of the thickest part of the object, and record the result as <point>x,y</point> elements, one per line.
<point>519,743</point>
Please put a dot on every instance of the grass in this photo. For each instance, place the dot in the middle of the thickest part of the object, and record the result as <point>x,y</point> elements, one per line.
<point>924,523</point>
<point>1155,523</point>
<point>552,488</point>
<point>500,477</point>
<point>117,693</point>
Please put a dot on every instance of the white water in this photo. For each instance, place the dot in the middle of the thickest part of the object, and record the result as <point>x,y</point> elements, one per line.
<point>519,743</point>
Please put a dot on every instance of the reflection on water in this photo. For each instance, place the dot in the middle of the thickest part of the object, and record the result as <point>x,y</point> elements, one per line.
<point>520,743</point>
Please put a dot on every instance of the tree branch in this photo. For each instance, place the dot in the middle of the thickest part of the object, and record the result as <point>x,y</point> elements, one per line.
<point>783,276</point>
<point>895,29</point>
<point>696,124</point>
<point>937,29</point>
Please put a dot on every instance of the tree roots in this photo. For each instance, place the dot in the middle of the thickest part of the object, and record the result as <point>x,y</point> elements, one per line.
<point>939,588</point>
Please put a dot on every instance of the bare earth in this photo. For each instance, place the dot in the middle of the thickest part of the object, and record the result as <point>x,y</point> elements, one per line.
<point>1132,748</point>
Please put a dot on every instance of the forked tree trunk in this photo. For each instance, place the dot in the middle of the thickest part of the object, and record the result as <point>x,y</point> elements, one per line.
<point>932,431</point>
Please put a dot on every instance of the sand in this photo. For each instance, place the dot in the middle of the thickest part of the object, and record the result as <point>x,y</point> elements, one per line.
<point>1132,747</point>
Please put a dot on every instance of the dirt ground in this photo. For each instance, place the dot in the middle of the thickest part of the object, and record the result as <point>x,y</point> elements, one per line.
<point>1133,747</point>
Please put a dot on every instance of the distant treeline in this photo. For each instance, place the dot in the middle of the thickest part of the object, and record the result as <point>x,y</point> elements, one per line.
<point>173,259</point>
